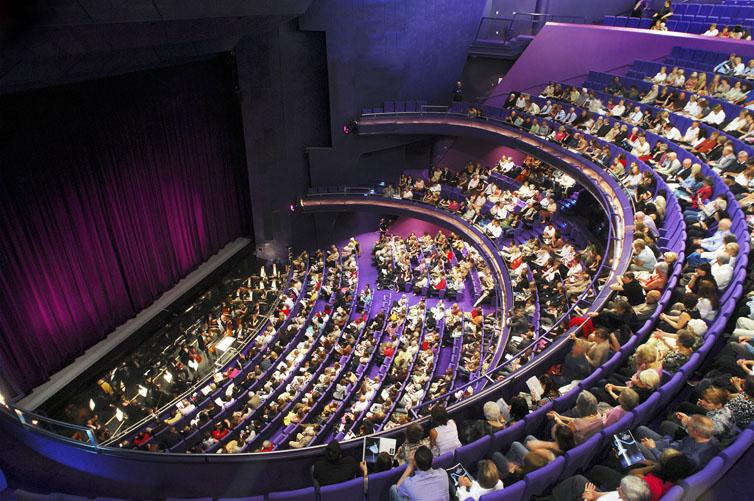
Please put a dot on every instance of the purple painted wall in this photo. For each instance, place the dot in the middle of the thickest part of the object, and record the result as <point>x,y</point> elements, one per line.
<point>464,150</point>
<point>566,52</point>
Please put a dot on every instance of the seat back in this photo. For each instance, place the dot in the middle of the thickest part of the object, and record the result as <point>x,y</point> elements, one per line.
<point>695,485</point>
<point>469,454</point>
<point>514,492</point>
<point>378,487</point>
<point>539,480</point>
<point>305,494</point>
<point>353,489</point>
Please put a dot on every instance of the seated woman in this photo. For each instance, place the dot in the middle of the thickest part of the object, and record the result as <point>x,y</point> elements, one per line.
<point>444,435</point>
<point>628,400</point>
<point>679,315</point>
<point>584,426</point>
<point>487,480</point>
<point>414,438</point>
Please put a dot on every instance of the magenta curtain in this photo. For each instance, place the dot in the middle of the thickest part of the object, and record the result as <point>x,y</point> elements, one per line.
<point>110,192</point>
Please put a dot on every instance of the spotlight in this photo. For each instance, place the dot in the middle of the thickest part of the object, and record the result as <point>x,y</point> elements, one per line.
<point>351,126</point>
<point>142,391</point>
<point>168,377</point>
<point>118,414</point>
<point>91,404</point>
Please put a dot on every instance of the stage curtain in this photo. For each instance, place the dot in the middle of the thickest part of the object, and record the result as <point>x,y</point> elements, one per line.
<point>110,192</point>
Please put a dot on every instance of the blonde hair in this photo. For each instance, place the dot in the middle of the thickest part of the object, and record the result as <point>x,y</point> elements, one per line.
<point>649,377</point>
<point>487,474</point>
<point>646,354</point>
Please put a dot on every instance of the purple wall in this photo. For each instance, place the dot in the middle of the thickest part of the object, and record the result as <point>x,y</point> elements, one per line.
<point>465,149</point>
<point>567,52</point>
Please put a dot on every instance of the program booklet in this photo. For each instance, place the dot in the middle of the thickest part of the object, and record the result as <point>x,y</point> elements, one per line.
<point>374,446</point>
<point>627,449</point>
<point>458,471</point>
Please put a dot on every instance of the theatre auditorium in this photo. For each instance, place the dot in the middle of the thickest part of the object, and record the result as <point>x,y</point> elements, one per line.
<point>376,250</point>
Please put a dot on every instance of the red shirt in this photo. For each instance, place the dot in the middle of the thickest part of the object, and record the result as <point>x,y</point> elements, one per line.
<point>219,434</point>
<point>704,193</point>
<point>657,486</point>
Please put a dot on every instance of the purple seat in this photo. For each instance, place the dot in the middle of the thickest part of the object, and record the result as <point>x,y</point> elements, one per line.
<point>539,480</point>
<point>674,494</point>
<point>353,489</point>
<point>535,419</point>
<point>695,485</point>
<point>379,483</point>
<point>248,498</point>
<point>469,454</point>
<point>734,451</point>
<point>306,494</point>
<point>444,461</point>
<point>580,456</point>
<point>513,492</point>
<point>189,499</point>
<point>503,438</point>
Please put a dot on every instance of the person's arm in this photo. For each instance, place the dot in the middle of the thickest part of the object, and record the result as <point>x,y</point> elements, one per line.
<point>407,473</point>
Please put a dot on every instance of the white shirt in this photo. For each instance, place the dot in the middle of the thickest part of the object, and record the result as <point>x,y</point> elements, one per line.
<point>476,491</point>
<point>722,274</point>
<point>673,134</point>
<point>715,117</point>
<point>713,32</point>
<point>659,78</point>
<point>692,134</point>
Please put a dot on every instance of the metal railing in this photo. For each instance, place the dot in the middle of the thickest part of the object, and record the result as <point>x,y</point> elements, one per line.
<point>503,29</point>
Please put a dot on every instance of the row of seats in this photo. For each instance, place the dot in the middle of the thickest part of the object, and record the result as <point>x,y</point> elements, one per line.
<point>573,461</point>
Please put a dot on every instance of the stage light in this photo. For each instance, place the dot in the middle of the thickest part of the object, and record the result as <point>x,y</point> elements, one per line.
<point>2,399</point>
<point>351,126</point>
<point>274,269</point>
<point>292,207</point>
<point>168,377</point>
<point>118,414</point>
<point>262,272</point>
<point>91,404</point>
<point>274,285</point>
<point>142,391</point>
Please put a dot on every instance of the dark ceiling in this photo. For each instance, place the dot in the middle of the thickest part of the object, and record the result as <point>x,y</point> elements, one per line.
<point>48,42</point>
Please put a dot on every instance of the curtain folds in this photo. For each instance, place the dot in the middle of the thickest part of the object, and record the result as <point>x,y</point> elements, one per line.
<point>110,192</point>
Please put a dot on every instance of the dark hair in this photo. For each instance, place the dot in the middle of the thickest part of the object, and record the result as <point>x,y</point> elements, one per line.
<point>676,468</point>
<point>414,433</point>
<point>564,437</point>
<point>384,462</point>
<point>423,458</point>
<point>333,452</point>
<point>690,300</point>
<point>686,340</point>
<point>519,408</point>
<point>749,386</point>
<point>439,415</point>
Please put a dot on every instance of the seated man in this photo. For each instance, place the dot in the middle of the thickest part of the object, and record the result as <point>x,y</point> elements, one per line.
<point>631,488</point>
<point>700,445</point>
<point>427,484</point>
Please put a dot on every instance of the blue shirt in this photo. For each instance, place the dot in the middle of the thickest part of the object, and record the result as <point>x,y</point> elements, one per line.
<point>430,485</point>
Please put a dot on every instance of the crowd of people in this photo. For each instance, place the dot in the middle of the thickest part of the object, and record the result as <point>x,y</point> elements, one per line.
<point>182,354</point>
